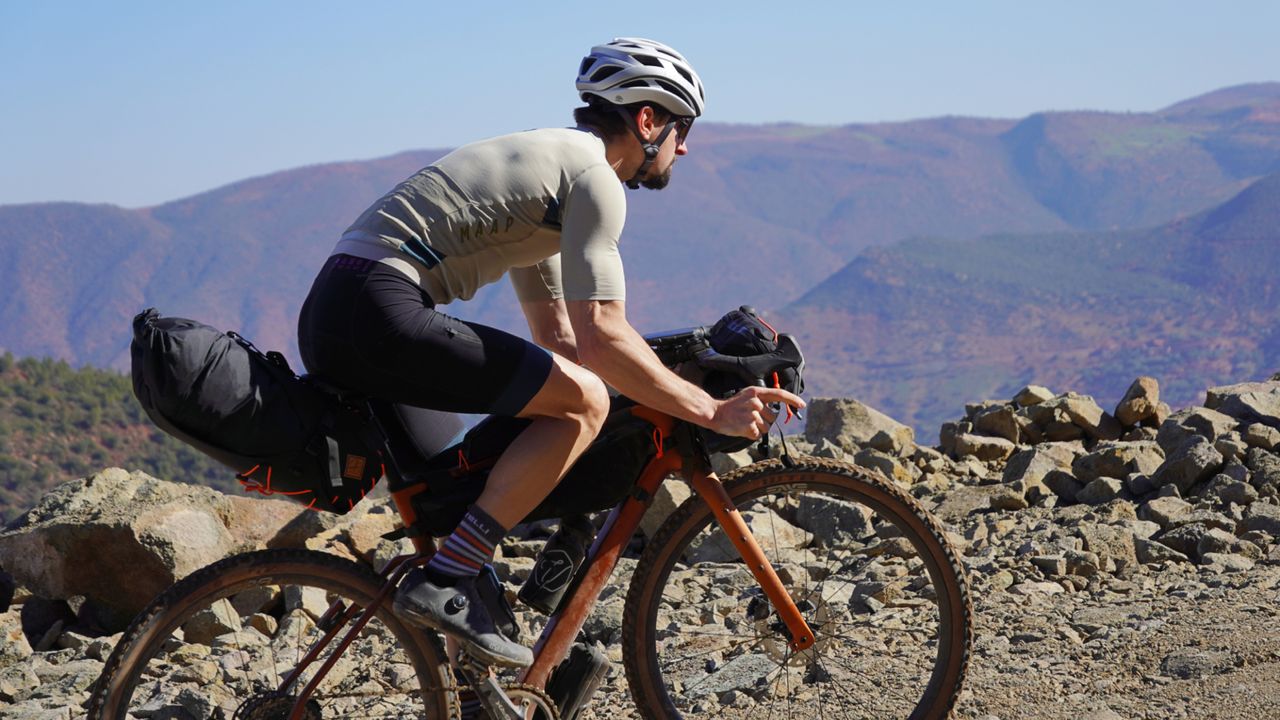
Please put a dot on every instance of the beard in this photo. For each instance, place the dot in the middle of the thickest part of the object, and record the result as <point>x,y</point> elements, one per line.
<point>658,181</point>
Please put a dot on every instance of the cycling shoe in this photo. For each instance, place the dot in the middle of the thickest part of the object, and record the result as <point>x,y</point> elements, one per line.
<point>458,610</point>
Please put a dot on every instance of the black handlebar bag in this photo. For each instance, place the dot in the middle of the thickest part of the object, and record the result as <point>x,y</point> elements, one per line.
<point>280,433</point>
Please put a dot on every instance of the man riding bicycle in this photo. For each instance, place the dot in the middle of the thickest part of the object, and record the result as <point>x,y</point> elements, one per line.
<point>546,207</point>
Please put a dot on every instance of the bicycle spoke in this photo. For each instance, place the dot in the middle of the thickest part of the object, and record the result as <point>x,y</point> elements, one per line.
<point>875,664</point>
<point>686,658</point>
<point>245,661</point>
<point>877,683</point>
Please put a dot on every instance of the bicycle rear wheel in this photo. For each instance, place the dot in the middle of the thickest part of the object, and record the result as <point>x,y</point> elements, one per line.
<point>871,571</point>
<point>219,643</point>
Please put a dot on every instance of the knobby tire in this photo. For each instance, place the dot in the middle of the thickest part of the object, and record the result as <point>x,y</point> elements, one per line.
<point>911,665</point>
<point>141,652</point>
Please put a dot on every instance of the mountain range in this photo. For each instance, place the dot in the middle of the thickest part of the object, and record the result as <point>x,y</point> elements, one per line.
<point>919,327</point>
<point>922,263</point>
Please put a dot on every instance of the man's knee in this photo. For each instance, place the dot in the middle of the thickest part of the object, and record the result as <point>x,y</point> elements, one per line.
<point>590,401</point>
<point>596,397</point>
<point>573,393</point>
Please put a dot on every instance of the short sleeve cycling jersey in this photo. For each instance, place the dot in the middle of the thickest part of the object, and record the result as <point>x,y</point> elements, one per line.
<point>543,204</point>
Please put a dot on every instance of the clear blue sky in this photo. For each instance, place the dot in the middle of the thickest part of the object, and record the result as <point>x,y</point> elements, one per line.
<point>140,102</point>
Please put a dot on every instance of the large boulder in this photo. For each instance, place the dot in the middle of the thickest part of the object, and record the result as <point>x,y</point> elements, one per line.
<point>1031,465</point>
<point>999,421</point>
<point>1183,424</point>
<point>119,538</point>
<point>670,495</point>
<point>1032,395</point>
<point>1027,469</point>
<point>1194,461</point>
<point>1118,460</point>
<point>983,447</point>
<point>1080,411</point>
<point>1257,435</point>
<point>1256,402</point>
<point>1262,517</point>
<point>1264,471</point>
<point>1165,511</point>
<point>852,425</point>
<point>1110,543</point>
<point>1140,402</point>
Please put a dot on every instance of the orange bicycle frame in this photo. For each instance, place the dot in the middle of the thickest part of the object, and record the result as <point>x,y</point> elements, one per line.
<point>562,628</point>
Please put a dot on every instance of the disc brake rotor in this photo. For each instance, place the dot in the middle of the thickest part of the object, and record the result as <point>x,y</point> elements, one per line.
<point>275,707</point>
<point>774,639</point>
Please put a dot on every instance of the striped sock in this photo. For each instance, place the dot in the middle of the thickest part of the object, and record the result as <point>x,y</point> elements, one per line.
<point>467,550</point>
<point>469,703</point>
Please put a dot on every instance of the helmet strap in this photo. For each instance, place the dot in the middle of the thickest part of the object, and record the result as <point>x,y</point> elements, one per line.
<point>650,148</point>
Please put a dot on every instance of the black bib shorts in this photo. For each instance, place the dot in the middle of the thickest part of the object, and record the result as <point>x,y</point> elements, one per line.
<point>367,327</point>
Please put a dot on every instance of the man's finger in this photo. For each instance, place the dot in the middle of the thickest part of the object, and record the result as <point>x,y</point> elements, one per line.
<point>780,395</point>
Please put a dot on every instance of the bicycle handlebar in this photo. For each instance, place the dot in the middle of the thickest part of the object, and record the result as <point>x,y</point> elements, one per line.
<point>677,346</point>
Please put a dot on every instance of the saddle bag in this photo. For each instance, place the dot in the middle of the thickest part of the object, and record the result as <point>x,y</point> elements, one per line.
<point>281,434</point>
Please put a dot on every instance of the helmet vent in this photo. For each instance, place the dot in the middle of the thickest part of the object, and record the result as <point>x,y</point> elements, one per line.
<point>587,62</point>
<point>685,74</point>
<point>605,72</point>
<point>649,60</point>
<point>671,88</point>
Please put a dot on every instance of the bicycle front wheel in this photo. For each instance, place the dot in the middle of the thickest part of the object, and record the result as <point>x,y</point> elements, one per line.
<point>219,643</point>
<point>870,570</point>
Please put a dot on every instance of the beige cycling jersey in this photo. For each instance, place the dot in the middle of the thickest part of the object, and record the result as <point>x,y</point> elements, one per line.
<point>543,204</point>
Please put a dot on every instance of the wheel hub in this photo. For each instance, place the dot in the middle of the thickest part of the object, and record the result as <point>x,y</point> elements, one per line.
<point>775,640</point>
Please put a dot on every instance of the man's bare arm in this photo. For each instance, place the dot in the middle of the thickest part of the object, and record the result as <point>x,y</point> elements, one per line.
<point>608,345</point>
<point>550,327</point>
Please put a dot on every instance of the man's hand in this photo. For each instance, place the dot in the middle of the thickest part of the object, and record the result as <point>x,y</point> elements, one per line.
<point>608,345</point>
<point>748,414</point>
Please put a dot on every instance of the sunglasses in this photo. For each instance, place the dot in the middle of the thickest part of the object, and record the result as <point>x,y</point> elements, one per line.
<point>683,126</point>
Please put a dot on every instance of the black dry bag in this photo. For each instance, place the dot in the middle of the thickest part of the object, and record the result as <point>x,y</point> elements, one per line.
<point>280,433</point>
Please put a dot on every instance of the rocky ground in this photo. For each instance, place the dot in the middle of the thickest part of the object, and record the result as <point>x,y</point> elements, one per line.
<point>1124,564</point>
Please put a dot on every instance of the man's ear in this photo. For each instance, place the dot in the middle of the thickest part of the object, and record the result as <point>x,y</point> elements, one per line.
<point>644,121</point>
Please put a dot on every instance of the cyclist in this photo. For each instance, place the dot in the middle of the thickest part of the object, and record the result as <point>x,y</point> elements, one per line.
<point>546,207</point>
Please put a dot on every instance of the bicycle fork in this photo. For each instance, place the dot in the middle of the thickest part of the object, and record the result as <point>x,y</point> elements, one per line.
<point>712,492</point>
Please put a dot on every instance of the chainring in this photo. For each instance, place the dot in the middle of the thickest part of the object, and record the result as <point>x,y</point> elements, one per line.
<point>529,698</point>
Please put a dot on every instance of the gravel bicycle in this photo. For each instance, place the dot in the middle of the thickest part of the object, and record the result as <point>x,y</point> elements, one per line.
<point>793,587</point>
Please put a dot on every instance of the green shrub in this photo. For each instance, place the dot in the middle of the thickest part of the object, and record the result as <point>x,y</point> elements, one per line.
<point>59,423</point>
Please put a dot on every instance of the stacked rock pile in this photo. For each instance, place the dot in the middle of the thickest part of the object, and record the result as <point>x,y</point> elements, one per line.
<point>1125,564</point>
<point>1085,533</point>
<point>1204,481</point>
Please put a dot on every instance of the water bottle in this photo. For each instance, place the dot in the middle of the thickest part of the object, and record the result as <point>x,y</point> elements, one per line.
<point>557,563</point>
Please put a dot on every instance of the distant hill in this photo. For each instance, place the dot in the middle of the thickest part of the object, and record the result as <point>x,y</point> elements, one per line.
<point>58,423</point>
<point>919,327</point>
<point>756,214</point>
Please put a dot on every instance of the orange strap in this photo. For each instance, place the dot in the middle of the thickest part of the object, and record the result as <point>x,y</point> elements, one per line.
<point>778,384</point>
<point>775,332</point>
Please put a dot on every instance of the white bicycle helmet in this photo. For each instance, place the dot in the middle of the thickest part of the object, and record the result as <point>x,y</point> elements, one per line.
<point>632,70</point>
